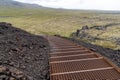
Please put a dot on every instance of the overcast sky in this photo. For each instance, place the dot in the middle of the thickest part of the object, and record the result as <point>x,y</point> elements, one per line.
<point>78,4</point>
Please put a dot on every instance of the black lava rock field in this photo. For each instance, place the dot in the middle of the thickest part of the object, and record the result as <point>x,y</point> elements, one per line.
<point>23,56</point>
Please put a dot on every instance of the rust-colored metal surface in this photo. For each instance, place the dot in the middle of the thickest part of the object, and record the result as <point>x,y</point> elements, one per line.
<point>71,49</point>
<point>78,65</point>
<point>72,57</point>
<point>69,61</point>
<point>105,74</point>
<point>71,53</point>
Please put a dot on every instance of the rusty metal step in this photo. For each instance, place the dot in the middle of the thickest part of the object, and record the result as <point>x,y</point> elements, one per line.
<point>63,47</point>
<point>60,50</point>
<point>69,48</point>
<point>72,57</point>
<point>78,65</point>
<point>70,53</point>
<point>105,74</point>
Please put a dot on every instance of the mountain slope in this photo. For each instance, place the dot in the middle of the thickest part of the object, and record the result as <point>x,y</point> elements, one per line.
<point>11,3</point>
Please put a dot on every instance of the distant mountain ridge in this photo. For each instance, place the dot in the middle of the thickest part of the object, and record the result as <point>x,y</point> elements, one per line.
<point>11,3</point>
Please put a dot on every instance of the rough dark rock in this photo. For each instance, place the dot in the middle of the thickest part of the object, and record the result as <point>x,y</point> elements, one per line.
<point>11,74</point>
<point>77,32</point>
<point>98,27</point>
<point>84,34</point>
<point>104,27</point>
<point>23,54</point>
<point>85,27</point>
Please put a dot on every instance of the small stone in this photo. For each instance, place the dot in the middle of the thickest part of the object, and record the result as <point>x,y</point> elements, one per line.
<point>28,58</point>
<point>3,77</point>
<point>23,67</point>
<point>11,63</point>
<point>15,49</point>
<point>23,55</point>
<point>3,69</point>
<point>30,47</point>
<point>17,74</point>
<point>11,78</point>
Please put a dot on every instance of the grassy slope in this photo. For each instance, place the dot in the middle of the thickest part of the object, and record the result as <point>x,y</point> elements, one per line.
<point>109,36</point>
<point>63,22</point>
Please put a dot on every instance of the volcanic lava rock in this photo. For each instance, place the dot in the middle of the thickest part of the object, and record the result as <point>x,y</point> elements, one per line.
<point>23,56</point>
<point>85,27</point>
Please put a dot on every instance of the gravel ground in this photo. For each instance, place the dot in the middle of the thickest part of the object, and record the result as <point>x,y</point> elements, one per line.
<point>23,56</point>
